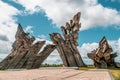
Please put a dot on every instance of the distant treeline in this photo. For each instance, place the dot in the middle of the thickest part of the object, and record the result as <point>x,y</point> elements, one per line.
<point>51,65</point>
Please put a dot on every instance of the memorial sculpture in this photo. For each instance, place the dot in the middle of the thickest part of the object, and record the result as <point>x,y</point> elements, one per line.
<point>25,53</point>
<point>67,45</point>
<point>103,56</point>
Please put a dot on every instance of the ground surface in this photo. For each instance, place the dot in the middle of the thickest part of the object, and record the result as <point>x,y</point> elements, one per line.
<point>55,74</point>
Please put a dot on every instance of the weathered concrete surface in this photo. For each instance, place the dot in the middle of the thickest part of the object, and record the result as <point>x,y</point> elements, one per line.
<point>103,56</point>
<point>55,74</point>
<point>25,52</point>
<point>67,44</point>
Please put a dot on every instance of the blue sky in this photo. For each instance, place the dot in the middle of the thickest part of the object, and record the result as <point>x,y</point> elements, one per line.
<point>43,26</point>
<point>40,17</point>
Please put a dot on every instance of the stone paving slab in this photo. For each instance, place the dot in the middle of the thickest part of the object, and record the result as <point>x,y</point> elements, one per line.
<point>55,74</point>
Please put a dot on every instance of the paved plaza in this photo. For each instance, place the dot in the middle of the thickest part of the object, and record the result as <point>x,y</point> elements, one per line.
<point>55,74</point>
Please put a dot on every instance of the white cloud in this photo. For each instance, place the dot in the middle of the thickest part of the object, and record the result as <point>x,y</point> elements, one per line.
<point>29,29</point>
<point>113,0</point>
<point>53,58</point>
<point>30,6</point>
<point>116,48</point>
<point>5,47</point>
<point>88,47</point>
<point>59,11</point>
<point>7,20</point>
<point>42,36</point>
<point>85,49</point>
<point>7,27</point>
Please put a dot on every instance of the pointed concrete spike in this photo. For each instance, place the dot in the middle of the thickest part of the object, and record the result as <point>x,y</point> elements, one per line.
<point>76,18</point>
<point>20,31</point>
<point>103,40</point>
<point>67,44</point>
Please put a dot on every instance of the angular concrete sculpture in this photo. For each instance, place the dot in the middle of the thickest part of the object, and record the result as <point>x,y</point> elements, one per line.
<point>67,46</point>
<point>103,56</point>
<point>24,53</point>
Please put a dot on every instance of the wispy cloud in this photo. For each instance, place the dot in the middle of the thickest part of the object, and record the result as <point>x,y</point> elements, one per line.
<point>31,6</point>
<point>7,20</point>
<point>88,47</point>
<point>5,48</point>
<point>8,27</point>
<point>116,48</point>
<point>53,58</point>
<point>42,36</point>
<point>113,0</point>
<point>29,29</point>
<point>3,37</point>
<point>93,13</point>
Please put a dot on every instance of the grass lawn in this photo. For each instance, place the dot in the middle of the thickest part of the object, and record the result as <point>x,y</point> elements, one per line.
<point>115,72</point>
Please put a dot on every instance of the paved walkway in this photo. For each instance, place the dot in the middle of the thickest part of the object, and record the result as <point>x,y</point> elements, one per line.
<point>55,74</point>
